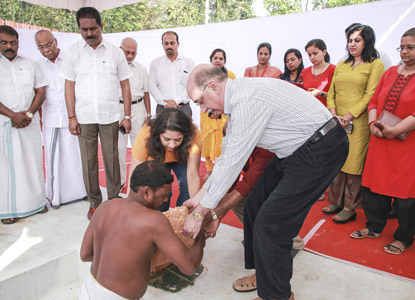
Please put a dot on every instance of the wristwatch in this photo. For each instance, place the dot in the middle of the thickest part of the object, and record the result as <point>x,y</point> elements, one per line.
<point>214,215</point>
<point>127,117</point>
<point>29,115</point>
<point>197,216</point>
<point>322,94</point>
<point>148,115</point>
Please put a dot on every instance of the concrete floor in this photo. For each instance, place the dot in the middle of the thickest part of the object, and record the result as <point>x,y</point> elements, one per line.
<point>39,259</point>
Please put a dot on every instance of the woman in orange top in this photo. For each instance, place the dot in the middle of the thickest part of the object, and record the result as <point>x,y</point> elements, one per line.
<point>211,124</point>
<point>263,69</point>
<point>173,139</point>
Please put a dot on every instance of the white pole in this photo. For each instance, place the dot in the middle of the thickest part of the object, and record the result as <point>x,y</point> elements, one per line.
<point>207,12</point>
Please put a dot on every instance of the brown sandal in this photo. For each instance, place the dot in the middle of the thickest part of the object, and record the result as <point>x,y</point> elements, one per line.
<point>245,284</point>
<point>395,250</point>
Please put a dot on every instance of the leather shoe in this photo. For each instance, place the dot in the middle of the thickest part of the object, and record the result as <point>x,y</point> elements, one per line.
<point>91,212</point>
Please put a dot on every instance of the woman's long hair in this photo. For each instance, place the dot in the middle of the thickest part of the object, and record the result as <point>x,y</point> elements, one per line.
<point>369,53</point>
<point>287,72</point>
<point>173,119</point>
<point>224,58</point>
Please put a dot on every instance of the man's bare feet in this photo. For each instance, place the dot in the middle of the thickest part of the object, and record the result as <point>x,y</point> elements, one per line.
<point>245,284</point>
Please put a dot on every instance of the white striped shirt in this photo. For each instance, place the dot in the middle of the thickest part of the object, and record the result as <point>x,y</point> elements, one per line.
<point>264,112</point>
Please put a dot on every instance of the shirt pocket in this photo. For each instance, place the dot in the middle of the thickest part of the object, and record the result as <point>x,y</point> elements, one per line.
<point>184,75</point>
<point>26,78</point>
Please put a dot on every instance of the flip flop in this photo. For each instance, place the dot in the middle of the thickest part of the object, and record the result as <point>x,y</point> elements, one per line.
<point>331,209</point>
<point>392,249</point>
<point>358,234</point>
<point>345,216</point>
<point>245,284</point>
<point>9,221</point>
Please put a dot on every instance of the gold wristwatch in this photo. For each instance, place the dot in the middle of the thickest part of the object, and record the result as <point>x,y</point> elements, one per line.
<point>29,115</point>
<point>214,215</point>
<point>197,216</point>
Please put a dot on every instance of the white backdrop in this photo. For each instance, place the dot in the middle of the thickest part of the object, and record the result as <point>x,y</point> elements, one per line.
<point>389,18</point>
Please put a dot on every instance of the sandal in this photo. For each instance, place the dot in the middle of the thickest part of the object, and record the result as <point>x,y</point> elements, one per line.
<point>359,234</point>
<point>331,209</point>
<point>44,210</point>
<point>345,216</point>
<point>392,249</point>
<point>9,221</point>
<point>245,284</point>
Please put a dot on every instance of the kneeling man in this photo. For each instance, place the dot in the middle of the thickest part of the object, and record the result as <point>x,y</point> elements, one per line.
<point>125,233</point>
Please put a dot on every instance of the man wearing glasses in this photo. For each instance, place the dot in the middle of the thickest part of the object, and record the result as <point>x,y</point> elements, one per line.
<point>310,147</point>
<point>62,156</point>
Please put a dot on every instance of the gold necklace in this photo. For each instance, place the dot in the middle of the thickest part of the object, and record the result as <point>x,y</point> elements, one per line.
<point>321,71</point>
<point>404,69</point>
<point>355,65</point>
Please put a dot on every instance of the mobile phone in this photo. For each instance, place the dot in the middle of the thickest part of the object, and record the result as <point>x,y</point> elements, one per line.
<point>349,127</point>
<point>122,129</point>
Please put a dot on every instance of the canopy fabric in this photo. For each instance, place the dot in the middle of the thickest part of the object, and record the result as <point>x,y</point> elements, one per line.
<point>76,4</point>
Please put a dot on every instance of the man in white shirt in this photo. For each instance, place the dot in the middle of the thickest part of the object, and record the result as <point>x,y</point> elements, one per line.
<point>22,92</point>
<point>168,76</point>
<point>97,68</point>
<point>140,102</point>
<point>63,166</point>
<point>310,146</point>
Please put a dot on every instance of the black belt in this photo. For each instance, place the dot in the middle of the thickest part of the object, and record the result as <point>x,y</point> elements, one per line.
<point>323,130</point>
<point>133,102</point>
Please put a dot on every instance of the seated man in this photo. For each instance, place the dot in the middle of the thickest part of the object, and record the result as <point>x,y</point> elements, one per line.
<point>125,233</point>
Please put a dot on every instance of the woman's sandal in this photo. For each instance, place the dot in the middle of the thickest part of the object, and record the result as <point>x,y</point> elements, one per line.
<point>9,221</point>
<point>245,284</point>
<point>331,209</point>
<point>364,233</point>
<point>345,216</point>
<point>395,250</point>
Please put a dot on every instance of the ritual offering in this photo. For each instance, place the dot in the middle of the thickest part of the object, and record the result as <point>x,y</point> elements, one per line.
<point>177,216</point>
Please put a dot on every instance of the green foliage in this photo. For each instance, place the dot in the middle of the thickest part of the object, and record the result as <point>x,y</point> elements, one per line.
<point>157,14</point>
<point>281,7</point>
<point>319,4</point>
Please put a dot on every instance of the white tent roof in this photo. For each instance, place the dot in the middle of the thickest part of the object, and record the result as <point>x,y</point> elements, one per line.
<point>76,4</point>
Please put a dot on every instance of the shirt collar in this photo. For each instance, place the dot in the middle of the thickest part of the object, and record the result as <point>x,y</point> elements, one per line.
<point>60,57</point>
<point>102,44</point>
<point>179,57</point>
<point>15,58</point>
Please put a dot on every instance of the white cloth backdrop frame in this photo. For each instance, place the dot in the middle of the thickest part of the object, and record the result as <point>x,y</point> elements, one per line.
<point>389,18</point>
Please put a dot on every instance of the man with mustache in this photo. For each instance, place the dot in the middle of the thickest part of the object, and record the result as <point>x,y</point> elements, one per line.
<point>168,76</point>
<point>62,156</point>
<point>94,69</point>
<point>22,92</point>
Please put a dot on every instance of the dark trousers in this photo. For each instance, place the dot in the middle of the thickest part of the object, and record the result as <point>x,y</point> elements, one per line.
<point>280,201</point>
<point>185,107</point>
<point>181,174</point>
<point>377,208</point>
<point>88,144</point>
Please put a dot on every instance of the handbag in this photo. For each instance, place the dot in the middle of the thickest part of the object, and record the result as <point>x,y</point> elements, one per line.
<point>391,120</point>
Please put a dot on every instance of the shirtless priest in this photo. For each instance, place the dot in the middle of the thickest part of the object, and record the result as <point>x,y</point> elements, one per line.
<point>125,233</point>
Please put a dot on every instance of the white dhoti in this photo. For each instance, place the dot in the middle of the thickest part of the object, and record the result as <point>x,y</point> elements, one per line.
<point>91,289</point>
<point>138,114</point>
<point>64,181</point>
<point>22,188</point>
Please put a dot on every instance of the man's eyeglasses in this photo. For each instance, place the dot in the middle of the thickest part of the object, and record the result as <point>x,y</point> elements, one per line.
<point>408,47</point>
<point>200,102</point>
<point>45,45</point>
